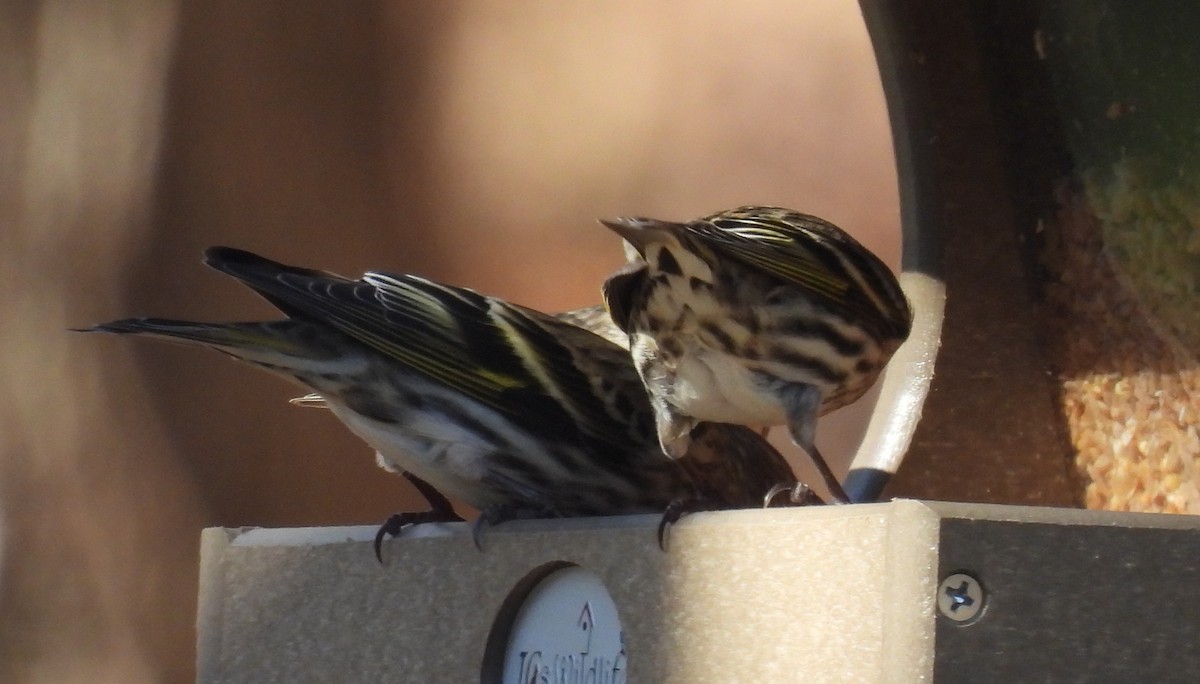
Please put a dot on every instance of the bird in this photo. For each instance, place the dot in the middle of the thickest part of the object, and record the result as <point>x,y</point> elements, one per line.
<point>514,412</point>
<point>757,316</point>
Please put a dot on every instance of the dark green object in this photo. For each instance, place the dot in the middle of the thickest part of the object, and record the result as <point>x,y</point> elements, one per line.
<point>1127,79</point>
<point>1072,603</point>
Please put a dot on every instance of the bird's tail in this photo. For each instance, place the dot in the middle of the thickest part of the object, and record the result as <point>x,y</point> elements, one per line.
<point>260,343</point>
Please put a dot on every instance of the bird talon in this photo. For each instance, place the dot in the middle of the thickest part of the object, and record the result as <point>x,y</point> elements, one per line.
<point>670,516</point>
<point>477,529</point>
<point>675,512</point>
<point>502,513</point>
<point>774,492</point>
<point>799,494</point>
<point>396,523</point>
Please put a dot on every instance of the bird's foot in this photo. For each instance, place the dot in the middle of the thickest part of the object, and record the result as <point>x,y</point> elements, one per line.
<point>679,508</point>
<point>396,523</point>
<point>502,513</point>
<point>799,494</point>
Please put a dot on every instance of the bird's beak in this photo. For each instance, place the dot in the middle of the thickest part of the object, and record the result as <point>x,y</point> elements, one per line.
<point>639,232</point>
<point>624,226</point>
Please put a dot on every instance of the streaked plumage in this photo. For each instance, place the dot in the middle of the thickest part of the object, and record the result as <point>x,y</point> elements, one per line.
<point>757,316</point>
<point>509,410</point>
<point>596,320</point>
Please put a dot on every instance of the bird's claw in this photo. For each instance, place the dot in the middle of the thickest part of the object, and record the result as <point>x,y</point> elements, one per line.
<point>676,510</point>
<point>799,494</point>
<point>502,513</point>
<point>396,523</point>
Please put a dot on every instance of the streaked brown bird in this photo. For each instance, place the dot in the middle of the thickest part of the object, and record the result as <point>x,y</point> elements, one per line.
<point>757,316</point>
<point>511,411</point>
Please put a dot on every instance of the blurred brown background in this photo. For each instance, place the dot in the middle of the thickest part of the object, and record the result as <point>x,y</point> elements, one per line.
<point>474,142</point>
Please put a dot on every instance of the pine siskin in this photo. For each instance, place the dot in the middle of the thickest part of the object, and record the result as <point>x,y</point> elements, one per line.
<point>509,410</point>
<point>756,316</point>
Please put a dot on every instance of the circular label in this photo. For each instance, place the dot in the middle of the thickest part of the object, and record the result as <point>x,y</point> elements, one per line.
<point>566,630</point>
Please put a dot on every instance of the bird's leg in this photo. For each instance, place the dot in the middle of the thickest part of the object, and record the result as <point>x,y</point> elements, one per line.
<point>502,513</point>
<point>440,510</point>
<point>436,500</point>
<point>803,405</point>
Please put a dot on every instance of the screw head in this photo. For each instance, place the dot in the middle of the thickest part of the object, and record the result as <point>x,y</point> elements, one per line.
<point>960,597</point>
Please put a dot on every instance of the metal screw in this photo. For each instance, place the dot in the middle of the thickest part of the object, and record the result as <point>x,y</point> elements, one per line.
<point>960,597</point>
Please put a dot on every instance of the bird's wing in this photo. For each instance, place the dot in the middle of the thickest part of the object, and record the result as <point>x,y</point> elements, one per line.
<point>517,361</point>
